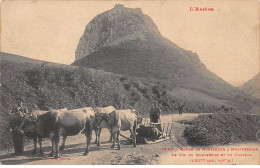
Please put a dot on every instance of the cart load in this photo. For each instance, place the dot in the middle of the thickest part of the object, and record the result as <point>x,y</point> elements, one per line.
<point>147,133</point>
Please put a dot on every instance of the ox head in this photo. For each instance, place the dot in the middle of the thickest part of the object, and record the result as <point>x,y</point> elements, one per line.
<point>28,125</point>
<point>101,120</point>
<point>139,118</point>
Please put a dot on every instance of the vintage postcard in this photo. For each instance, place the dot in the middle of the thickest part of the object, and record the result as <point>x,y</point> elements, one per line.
<point>146,82</point>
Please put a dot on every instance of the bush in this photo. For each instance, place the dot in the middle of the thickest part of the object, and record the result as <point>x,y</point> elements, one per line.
<point>222,128</point>
<point>127,86</point>
<point>123,78</point>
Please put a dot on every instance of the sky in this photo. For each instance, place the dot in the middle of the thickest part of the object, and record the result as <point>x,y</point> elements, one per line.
<point>226,39</point>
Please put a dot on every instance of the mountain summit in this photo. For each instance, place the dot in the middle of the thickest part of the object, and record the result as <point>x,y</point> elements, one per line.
<point>114,27</point>
<point>127,42</point>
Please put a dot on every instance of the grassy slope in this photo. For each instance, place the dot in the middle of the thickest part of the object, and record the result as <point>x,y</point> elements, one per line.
<point>158,58</point>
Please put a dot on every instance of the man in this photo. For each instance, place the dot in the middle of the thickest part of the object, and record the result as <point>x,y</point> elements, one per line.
<point>181,108</point>
<point>16,116</point>
<point>155,114</point>
<point>19,109</point>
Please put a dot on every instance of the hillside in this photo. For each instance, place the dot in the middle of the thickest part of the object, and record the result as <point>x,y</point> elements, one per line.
<point>48,85</point>
<point>127,42</point>
<point>252,87</point>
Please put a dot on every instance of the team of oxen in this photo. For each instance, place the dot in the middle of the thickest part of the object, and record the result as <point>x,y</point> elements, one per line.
<point>55,123</point>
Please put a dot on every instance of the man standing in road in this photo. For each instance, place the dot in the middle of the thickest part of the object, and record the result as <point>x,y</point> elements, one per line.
<point>155,114</point>
<point>181,108</point>
<point>16,116</point>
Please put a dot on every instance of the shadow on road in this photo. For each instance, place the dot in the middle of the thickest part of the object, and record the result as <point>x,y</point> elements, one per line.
<point>70,150</point>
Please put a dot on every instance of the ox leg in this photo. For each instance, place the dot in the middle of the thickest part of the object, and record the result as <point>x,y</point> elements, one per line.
<point>111,137</point>
<point>118,141</point>
<point>99,132</point>
<point>114,138</point>
<point>52,148</point>
<point>56,140</point>
<point>131,135</point>
<point>62,147</point>
<point>40,143</point>
<point>34,146</point>
<point>88,135</point>
<point>134,134</point>
<point>96,132</point>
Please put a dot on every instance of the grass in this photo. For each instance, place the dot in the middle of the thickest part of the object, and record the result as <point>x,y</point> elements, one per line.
<point>220,129</point>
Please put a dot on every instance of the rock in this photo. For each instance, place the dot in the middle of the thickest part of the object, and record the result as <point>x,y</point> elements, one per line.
<point>114,27</point>
<point>125,41</point>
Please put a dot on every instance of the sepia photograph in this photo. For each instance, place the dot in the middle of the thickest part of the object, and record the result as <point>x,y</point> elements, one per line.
<point>129,82</point>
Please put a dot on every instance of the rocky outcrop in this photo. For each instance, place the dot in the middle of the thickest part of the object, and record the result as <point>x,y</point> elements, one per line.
<point>114,27</point>
<point>125,41</point>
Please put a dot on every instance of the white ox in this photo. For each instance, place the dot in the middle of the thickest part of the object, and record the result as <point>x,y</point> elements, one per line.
<point>61,122</point>
<point>101,121</point>
<point>123,120</point>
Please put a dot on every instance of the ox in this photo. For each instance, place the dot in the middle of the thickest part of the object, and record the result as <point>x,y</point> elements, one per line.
<point>31,131</point>
<point>123,120</point>
<point>101,121</point>
<point>61,122</point>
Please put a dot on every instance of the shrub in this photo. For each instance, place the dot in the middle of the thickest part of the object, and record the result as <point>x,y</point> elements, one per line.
<point>219,129</point>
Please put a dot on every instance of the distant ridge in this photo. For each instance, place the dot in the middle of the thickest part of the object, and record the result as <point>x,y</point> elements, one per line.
<point>252,86</point>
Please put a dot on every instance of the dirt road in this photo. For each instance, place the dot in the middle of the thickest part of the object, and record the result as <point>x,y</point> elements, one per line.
<point>73,153</point>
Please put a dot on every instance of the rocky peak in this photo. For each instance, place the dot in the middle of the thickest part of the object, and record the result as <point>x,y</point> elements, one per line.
<point>114,27</point>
